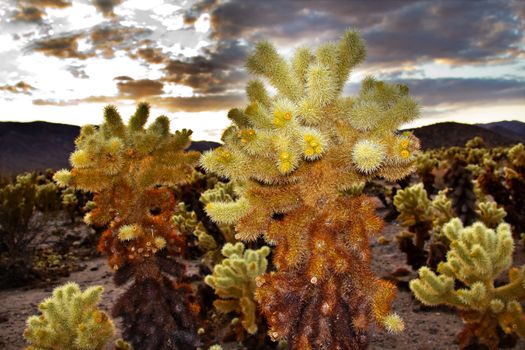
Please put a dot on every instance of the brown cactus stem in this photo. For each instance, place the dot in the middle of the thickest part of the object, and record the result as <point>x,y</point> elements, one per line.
<point>323,303</point>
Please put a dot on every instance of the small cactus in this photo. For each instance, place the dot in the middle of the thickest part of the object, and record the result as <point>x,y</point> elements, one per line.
<point>234,281</point>
<point>70,320</point>
<point>477,256</point>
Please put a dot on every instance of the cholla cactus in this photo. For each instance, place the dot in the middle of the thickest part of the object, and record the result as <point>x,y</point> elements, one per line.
<point>21,227</point>
<point>223,193</point>
<point>129,169</point>
<point>425,165</point>
<point>295,153</point>
<point>459,180</point>
<point>234,281</point>
<point>415,213</point>
<point>477,256</point>
<point>507,187</point>
<point>70,320</point>
<point>423,218</point>
<point>490,214</point>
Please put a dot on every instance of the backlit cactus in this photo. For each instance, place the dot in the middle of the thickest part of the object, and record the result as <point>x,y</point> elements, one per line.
<point>71,320</point>
<point>129,168</point>
<point>295,154</point>
<point>234,281</point>
<point>477,256</point>
<point>419,215</point>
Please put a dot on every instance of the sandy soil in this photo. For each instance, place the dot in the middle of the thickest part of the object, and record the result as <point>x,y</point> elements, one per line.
<point>426,329</point>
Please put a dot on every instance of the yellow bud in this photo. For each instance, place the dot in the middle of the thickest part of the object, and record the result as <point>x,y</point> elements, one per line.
<point>404,154</point>
<point>318,149</point>
<point>309,151</point>
<point>288,116</point>
<point>284,155</point>
<point>160,242</point>
<point>404,144</point>
<point>308,137</point>
<point>393,323</point>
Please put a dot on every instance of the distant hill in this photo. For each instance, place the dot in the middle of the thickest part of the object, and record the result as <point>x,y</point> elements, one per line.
<point>512,129</point>
<point>450,134</point>
<point>42,145</point>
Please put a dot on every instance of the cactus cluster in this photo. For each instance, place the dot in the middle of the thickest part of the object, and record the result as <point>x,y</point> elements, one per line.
<point>294,154</point>
<point>129,168</point>
<point>25,206</point>
<point>477,256</point>
<point>507,187</point>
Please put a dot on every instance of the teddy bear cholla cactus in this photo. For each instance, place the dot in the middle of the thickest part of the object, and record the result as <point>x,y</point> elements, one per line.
<point>295,153</point>
<point>234,281</point>
<point>70,320</point>
<point>129,169</point>
<point>477,256</point>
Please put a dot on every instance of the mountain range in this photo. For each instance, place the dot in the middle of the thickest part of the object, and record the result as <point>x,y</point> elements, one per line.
<point>41,145</point>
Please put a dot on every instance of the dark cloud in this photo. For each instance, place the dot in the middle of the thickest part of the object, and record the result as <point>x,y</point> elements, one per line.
<point>397,32</point>
<point>106,6</point>
<point>137,89</point>
<point>19,88</point>
<point>65,46</point>
<point>151,55</point>
<point>123,78</point>
<point>473,91</point>
<point>199,7</point>
<point>111,37</point>
<point>29,14</point>
<point>218,70</point>
<point>33,11</point>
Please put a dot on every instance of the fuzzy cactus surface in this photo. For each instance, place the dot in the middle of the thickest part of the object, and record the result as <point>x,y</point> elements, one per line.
<point>234,281</point>
<point>70,319</point>
<point>295,154</point>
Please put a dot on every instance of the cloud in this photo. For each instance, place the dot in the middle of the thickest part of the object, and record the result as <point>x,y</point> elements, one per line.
<point>65,46</point>
<point>397,32</point>
<point>78,71</point>
<point>104,40</point>
<point>19,88</point>
<point>106,6</point>
<point>137,89</point>
<point>199,103</point>
<point>151,55</point>
<point>218,70</point>
<point>74,102</point>
<point>467,92</point>
<point>33,11</point>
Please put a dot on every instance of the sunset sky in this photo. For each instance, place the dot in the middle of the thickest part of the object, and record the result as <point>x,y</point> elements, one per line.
<point>63,60</point>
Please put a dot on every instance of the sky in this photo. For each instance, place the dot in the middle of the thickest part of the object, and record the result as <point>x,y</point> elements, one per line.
<point>62,61</point>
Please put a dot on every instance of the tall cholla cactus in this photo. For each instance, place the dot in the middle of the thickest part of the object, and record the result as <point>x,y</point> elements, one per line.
<point>129,168</point>
<point>477,256</point>
<point>70,320</point>
<point>234,281</point>
<point>295,153</point>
